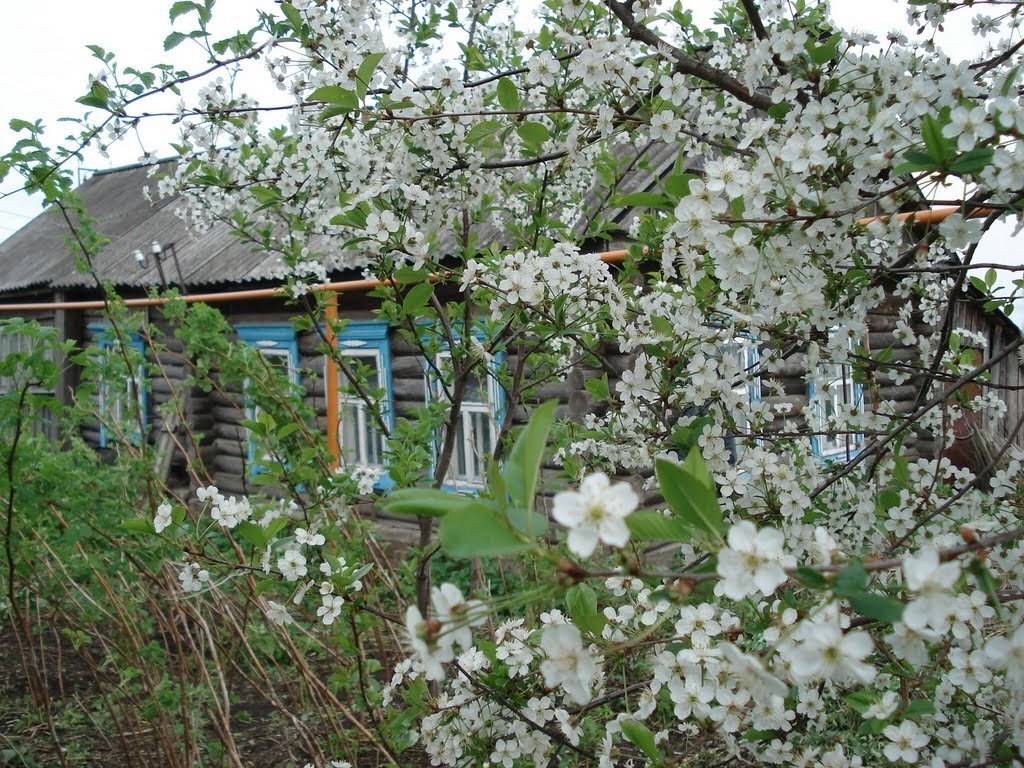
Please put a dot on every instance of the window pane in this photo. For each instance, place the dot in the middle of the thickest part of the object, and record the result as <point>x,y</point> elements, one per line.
<point>461,457</point>
<point>475,432</point>
<point>737,356</point>
<point>279,362</point>
<point>360,439</point>
<point>476,390</point>
<point>348,434</point>
<point>373,372</point>
<point>482,433</point>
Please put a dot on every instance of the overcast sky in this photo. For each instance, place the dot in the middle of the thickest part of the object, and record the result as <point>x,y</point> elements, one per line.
<point>42,52</point>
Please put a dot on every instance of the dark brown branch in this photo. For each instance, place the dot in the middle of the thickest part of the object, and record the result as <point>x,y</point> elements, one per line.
<point>685,63</point>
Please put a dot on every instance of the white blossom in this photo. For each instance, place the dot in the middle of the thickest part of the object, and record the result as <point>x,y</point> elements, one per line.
<point>906,741</point>
<point>278,614</point>
<point>930,582</point>
<point>753,560</point>
<point>162,519</point>
<point>596,513</point>
<point>567,663</point>
<point>292,565</point>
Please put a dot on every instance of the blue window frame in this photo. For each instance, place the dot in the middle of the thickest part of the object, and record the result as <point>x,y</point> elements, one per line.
<point>116,398</point>
<point>743,355</point>
<point>365,347</point>
<point>841,399</point>
<point>483,408</point>
<point>280,346</point>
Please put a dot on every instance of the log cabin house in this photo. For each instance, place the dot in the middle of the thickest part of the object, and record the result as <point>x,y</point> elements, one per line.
<point>39,280</point>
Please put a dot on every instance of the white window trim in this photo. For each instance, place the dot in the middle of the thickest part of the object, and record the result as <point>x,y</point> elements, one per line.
<point>849,392</point>
<point>365,428</point>
<point>491,409</point>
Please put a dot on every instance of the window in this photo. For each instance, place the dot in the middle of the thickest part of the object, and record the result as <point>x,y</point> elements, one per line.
<point>364,347</point>
<point>841,399</point>
<point>122,402</point>
<point>16,342</point>
<point>738,356</point>
<point>280,347</point>
<point>477,427</point>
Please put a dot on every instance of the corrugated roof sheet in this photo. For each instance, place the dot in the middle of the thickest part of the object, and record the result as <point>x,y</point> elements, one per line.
<point>37,254</point>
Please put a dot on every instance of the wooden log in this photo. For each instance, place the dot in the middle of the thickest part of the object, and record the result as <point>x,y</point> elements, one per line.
<point>407,389</point>
<point>405,366</point>
<point>227,447</point>
<point>228,414</point>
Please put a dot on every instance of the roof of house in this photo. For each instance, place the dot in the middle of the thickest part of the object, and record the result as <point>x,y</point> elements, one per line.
<point>37,255</point>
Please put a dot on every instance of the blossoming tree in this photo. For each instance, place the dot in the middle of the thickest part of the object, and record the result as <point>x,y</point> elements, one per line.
<point>851,612</point>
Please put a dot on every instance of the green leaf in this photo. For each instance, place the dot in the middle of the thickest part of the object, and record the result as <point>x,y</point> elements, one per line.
<point>934,141</point>
<point>17,125</point>
<point>581,598</point>
<point>343,98</point>
<point>872,726</point>
<point>645,200</point>
<point>334,110</point>
<point>173,40</point>
<point>524,461</point>
<point>533,134</point>
<point>417,298</point>
<point>698,470</point>
<point>916,161</point>
<point>476,531</point>
<point>974,161</point>
<point>677,186</point>
<point>488,649</point>
<point>180,8</point>
<point>483,133</point>
<point>598,388</point>
<point>508,95</point>
<point>365,73</point>
<point>810,578</point>
<point>687,491</point>
<point>640,736</point>
<point>861,700</point>
<point>851,580</point>
<point>875,605</point>
<point>531,523</point>
<point>1009,81</point>
<point>825,52</point>
<point>582,604</point>
<point>778,111</point>
<point>275,527</point>
<point>425,501</point>
<point>98,96</point>
<point>651,525</point>
<point>253,533</point>
<point>887,499</point>
<point>138,525</point>
<point>918,708</point>
<point>292,14</point>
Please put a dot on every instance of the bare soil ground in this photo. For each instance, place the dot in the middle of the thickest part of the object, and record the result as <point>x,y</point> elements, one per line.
<point>88,736</point>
